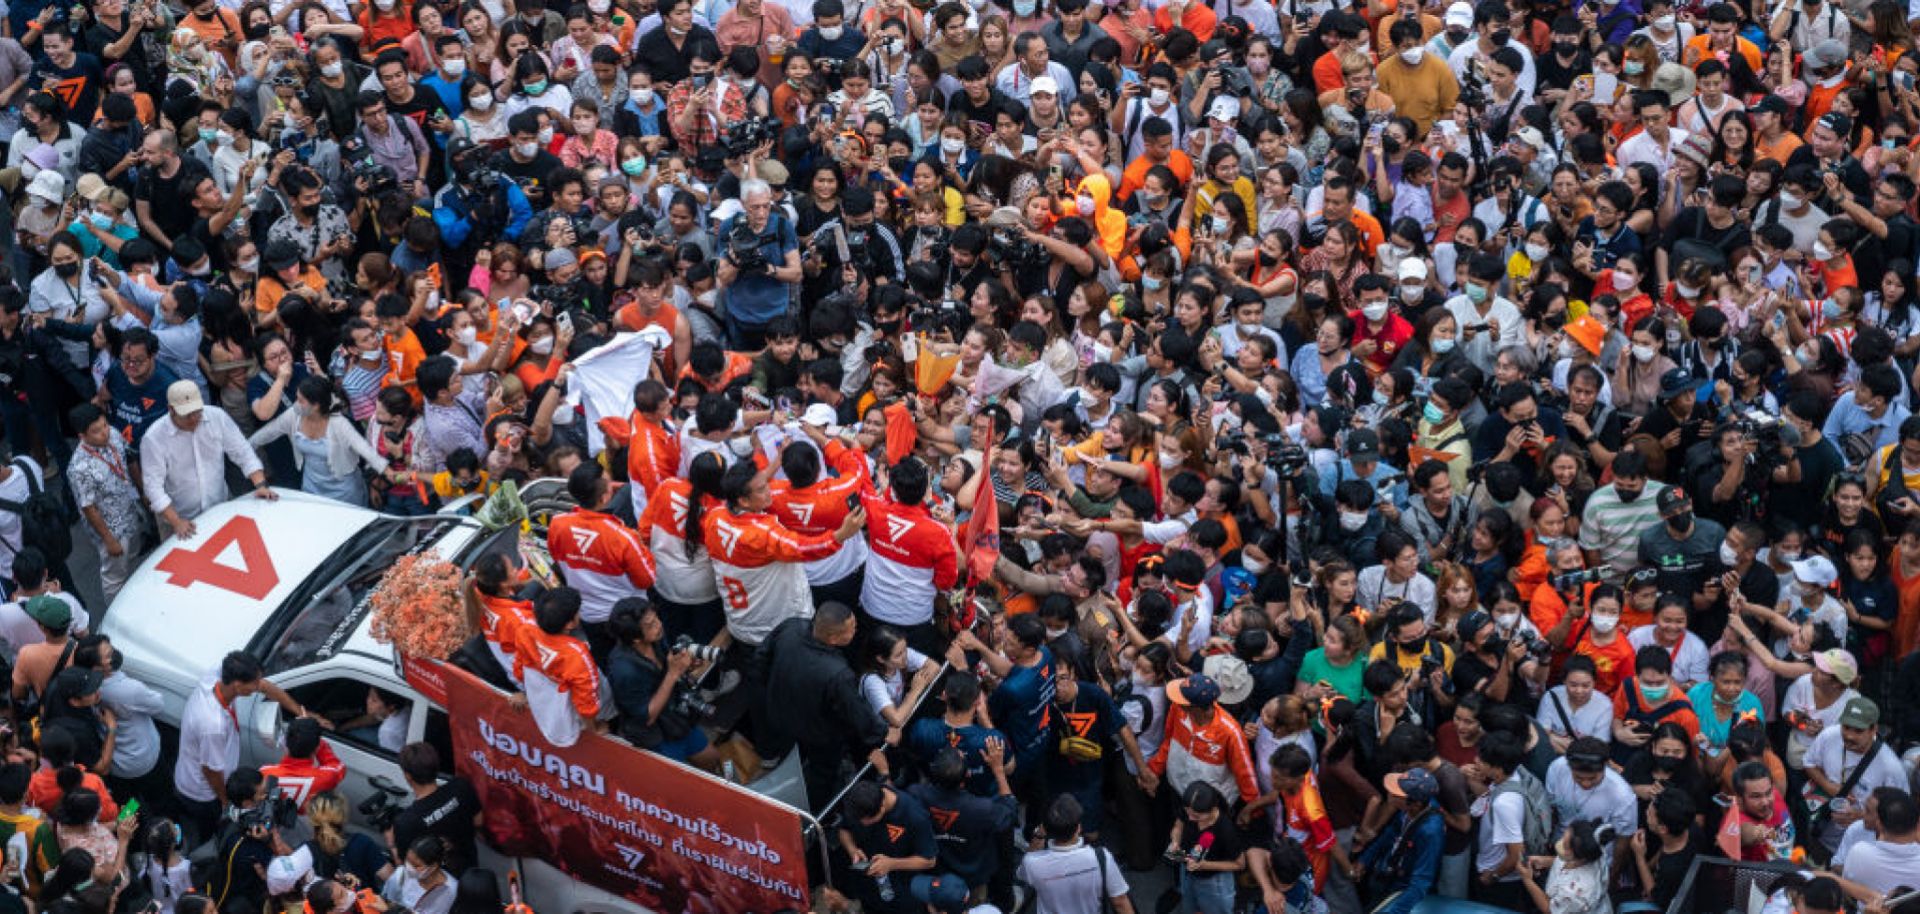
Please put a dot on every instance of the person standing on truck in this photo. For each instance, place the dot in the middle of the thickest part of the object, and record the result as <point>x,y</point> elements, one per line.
<point>759,561</point>
<point>644,675</point>
<point>449,811</point>
<point>559,680</point>
<point>914,557</point>
<point>598,556</point>
<point>210,737</point>
<point>814,504</point>
<point>183,466</point>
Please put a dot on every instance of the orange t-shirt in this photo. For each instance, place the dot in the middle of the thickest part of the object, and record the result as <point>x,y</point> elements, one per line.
<point>268,292</point>
<point>404,356</point>
<point>1778,150</point>
<point>1612,663</point>
<point>1697,51</point>
<point>1136,174</point>
<point>224,27</point>
<point>1197,18</point>
<point>1820,99</point>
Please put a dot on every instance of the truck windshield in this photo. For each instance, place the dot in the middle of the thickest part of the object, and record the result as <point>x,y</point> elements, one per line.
<point>317,620</point>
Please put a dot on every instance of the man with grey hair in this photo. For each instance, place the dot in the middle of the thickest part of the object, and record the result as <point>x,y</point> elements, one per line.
<point>1031,60</point>
<point>760,261</point>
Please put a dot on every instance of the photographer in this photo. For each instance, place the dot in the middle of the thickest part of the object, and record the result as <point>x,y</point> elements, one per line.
<point>761,262</point>
<point>248,841</point>
<point>479,204</point>
<point>648,681</point>
<point>872,249</point>
<point>1735,475</point>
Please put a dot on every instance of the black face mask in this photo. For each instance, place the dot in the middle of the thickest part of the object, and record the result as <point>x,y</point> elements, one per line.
<point>67,270</point>
<point>1667,764</point>
<point>1267,260</point>
<point>1626,497</point>
<point>310,211</point>
<point>899,163</point>
<point>256,32</point>
<point>1414,647</point>
<point>1500,37</point>
<point>1390,145</point>
<point>1681,520</point>
<point>1567,48</point>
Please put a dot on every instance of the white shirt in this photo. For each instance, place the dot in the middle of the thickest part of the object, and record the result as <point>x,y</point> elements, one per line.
<point>403,889</point>
<point>1066,879</point>
<point>1689,662</point>
<point>1018,86</point>
<point>184,470</point>
<point>1799,697</point>
<point>1610,800</point>
<point>209,738</point>
<point>1829,753</point>
<point>16,488</point>
<point>1469,50</point>
<point>1503,814</point>
<point>1642,147</point>
<point>1483,346</point>
<point>1595,718</point>
<point>1373,589</point>
<point>1882,867</point>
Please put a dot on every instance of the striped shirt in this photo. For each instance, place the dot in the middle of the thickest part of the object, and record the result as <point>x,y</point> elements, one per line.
<point>1612,527</point>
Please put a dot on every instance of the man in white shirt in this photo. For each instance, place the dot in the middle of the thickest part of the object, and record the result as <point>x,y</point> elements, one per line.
<point>31,578</point>
<point>1581,786</point>
<point>1659,141</point>
<point>1031,61</point>
<point>18,478</point>
<point>183,460</point>
<point>1886,862</point>
<point>1487,321</point>
<point>1068,873</point>
<point>1501,848</point>
<point>1491,33</point>
<point>1833,760</point>
<point>210,737</point>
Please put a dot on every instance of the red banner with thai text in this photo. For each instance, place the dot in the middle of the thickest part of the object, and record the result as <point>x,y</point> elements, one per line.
<point>636,824</point>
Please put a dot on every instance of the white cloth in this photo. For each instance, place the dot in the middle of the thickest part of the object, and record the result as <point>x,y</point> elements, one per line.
<point>185,471</point>
<point>603,378</point>
<point>1883,867</point>
<point>1502,826</point>
<point>1689,662</point>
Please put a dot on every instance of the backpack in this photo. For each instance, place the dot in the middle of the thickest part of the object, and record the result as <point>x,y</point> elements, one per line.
<point>1536,829</point>
<point>46,523</point>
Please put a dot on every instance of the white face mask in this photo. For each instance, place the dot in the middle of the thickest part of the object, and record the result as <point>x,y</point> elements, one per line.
<point>1537,252</point>
<point>1645,353</point>
<point>1102,352</point>
<point>952,146</point>
<point>331,70</point>
<point>453,66</point>
<point>1624,281</point>
<point>1168,461</point>
<point>466,335</point>
<point>417,872</point>
<point>481,102</point>
<point>1157,97</point>
<point>1413,55</point>
<point>1412,294</point>
<point>1352,522</point>
<point>526,150</point>
<point>1253,567</point>
<point>1605,623</point>
<point>1686,291</point>
<point>542,346</point>
<point>1821,251</point>
<point>250,266</point>
<point>1728,557</point>
<point>1664,23</point>
<point>1789,200</point>
<point>546,134</point>
<point>1506,622</point>
<point>1377,311</point>
<point>831,32</point>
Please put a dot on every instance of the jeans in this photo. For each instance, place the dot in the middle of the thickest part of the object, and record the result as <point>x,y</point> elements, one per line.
<point>1206,893</point>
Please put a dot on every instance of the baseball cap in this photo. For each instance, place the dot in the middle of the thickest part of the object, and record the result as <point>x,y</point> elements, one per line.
<point>1363,444</point>
<point>560,257</point>
<point>1413,268</point>
<point>1674,500</point>
<point>1860,713</point>
<point>1198,690</point>
<point>1829,52</point>
<point>1675,382</point>
<point>1416,785</point>
<point>1046,84</point>
<point>1224,108</point>
<point>1586,331</point>
<point>1772,104</point>
<point>1815,570</point>
<point>1460,14</point>
<point>1837,663</point>
<point>91,186</point>
<point>1836,122</point>
<point>819,414</point>
<point>76,682</point>
<point>49,610</point>
<point>279,254</point>
<point>1531,136</point>
<point>947,893</point>
<point>183,397</point>
<point>1230,673</point>
<point>1472,623</point>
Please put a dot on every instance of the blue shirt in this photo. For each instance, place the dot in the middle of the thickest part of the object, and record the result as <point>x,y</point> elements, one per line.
<point>1381,472</point>
<point>927,736</point>
<point>449,92</point>
<point>1021,706</point>
<point>756,299</point>
<point>1847,418</point>
<point>1606,250</point>
<point>136,406</point>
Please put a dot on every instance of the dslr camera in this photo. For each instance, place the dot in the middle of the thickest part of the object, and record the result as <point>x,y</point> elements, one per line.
<point>700,652</point>
<point>1570,579</point>
<point>1015,252</point>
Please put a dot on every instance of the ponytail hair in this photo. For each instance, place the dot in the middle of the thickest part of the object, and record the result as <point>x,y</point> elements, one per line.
<point>1588,839</point>
<point>704,476</point>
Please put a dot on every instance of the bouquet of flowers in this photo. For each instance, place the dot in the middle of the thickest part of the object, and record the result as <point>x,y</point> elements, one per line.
<point>417,607</point>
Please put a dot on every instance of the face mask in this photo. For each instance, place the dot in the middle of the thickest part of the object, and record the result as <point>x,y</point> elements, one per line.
<point>546,135</point>
<point>1537,252</point>
<point>1258,66</point>
<point>1476,293</point>
<point>1624,281</point>
<point>384,6</point>
<point>209,136</point>
<point>1253,567</point>
<point>1413,55</point>
<point>1686,291</point>
<point>1102,352</point>
<point>1605,624</point>
<point>952,146</point>
<point>101,221</point>
<point>1644,353</point>
<point>1786,556</point>
<point>635,166</point>
<point>1653,693</point>
<point>1377,311</point>
<point>311,212</point>
<point>302,410</point>
<point>1831,310</point>
<point>466,335</point>
<point>250,266</point>
<point>1790,200</point>
<point>1151,283</point>
<point>1024,8</point>
<point>1665,764</point>
<point>453,67</point>
<point>1412,294</point>
<point>1664,23</point>
<point>526,150</point>
<point>1168,461</point>
<point>1443,346</point>
<point>535,88</point>
<point>67,270</point>
<point>896,46</point>
<point>1632,67</point>
<point>1681,520</point>
<point>1728,557</point>
<point>482,102</point>
<point>600,6</point>
<point>417,872</point>
<point>831,32</point>
<point>332,70</point>
<point>223,138</point>
<point>1221,224</point>
<point>1433,414</point>
<point>1352,522</point>
<point>1500,37</point>
<point>542,346</point>
<point>1380,397</point>
<point>1822,252</point>
<point>1626,497</point>
<point>1156,97</point>
<point>1084,204</point>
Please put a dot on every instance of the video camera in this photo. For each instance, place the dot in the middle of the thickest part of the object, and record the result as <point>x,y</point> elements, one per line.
<point>743,248</point>
<point>1768,432</point>
<point>1014,252</point>
<point>276,811</point>
<point>748,135</point>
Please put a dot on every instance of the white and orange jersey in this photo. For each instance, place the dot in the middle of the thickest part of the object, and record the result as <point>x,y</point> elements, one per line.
<point>680,577</point>
<point>819,508</point>
<point>653,457</point>
<point>601,558</point>
<point>501,619</point>
<point>757,564</point>
<point>561,681</point>
<point>914,557</point>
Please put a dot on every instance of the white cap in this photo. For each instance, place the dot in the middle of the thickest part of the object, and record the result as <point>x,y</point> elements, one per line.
<point>48,185</point>
<point>1224,108</point>
<point>1413,268</point>
<point>819,414</point>
<point>1460,13</point>
<point>1044,84</point>
<point>1815,570</point>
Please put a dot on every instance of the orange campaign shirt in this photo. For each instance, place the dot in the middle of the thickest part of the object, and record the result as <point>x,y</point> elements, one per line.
<point>404,356</point>
<point>1612,663</point>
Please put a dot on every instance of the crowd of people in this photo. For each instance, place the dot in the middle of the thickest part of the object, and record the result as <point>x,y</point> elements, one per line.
<point>1311,457</point>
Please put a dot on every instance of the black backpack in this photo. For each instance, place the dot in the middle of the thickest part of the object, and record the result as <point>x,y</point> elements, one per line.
<point>46,522</point>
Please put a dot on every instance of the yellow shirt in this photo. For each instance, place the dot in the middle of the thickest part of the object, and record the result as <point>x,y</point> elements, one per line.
<point>1425,93</point>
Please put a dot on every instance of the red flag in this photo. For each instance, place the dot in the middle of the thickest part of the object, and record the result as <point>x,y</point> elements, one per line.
<point>902,435</point>
<point>1728,835</point>
<point>980,541</point>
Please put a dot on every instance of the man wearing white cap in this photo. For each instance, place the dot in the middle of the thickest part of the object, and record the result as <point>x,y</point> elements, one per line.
<point>1456,30</point>
<point>183,460</point>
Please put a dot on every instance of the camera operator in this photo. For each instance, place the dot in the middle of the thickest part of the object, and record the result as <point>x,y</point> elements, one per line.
<point>1053,263</point>
<point>761,262</point>
<point>1735,474</point>
<point>479,204</point>
<point>247,842</point>
<point>648,680</point>
<point>872,248</point>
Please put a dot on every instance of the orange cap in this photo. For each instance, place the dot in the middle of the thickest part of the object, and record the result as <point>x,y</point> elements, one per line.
<point>1587,332</point>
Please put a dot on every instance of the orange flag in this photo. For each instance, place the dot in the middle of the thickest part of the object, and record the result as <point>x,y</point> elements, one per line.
<point>902,434</point>
<point>980,541</point>
<point>1728,835</point>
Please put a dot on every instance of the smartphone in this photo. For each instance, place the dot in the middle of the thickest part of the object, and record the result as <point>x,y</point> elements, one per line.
<point>563,322</point>
<point>130,810</point>
<point>784,404</point>
<point>853,502</point>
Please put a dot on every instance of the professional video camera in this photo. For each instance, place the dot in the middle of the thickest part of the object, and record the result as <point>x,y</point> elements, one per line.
<point>383,806</point>
<point>1768,432</point>
<point>743,248</point>
<point>748,135</point>
<point>1570,579</point>
<point>369,176</point>
<point>1015,252</point>
<point>1537,648</point>
<point>276,811</point>
<point>559,295</point>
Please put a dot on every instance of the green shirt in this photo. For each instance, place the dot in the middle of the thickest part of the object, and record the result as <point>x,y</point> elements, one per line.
<point>1345,680</point>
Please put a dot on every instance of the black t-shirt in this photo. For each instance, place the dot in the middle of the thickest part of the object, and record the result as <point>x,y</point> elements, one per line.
<point>1227,844</point>
<point>1870,256</point>
<point>1693,223</point>
<point>99,36</point>
<point>977,115</point>
<point>1818,465</point>
<point>446,813</point>
<point>77,86</point>
<point>1090,716</point>
<point>420,110</point>
<point>164,195</point>
<point>903,831</point>
<point>667,63</point>
<point>531,175</point>
<point>1553,75</point>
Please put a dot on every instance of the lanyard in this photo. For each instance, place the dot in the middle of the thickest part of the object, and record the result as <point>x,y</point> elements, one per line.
<point>109,457</point>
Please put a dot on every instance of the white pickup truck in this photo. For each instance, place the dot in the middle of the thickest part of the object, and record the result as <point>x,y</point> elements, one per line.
<point>289,581</point>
